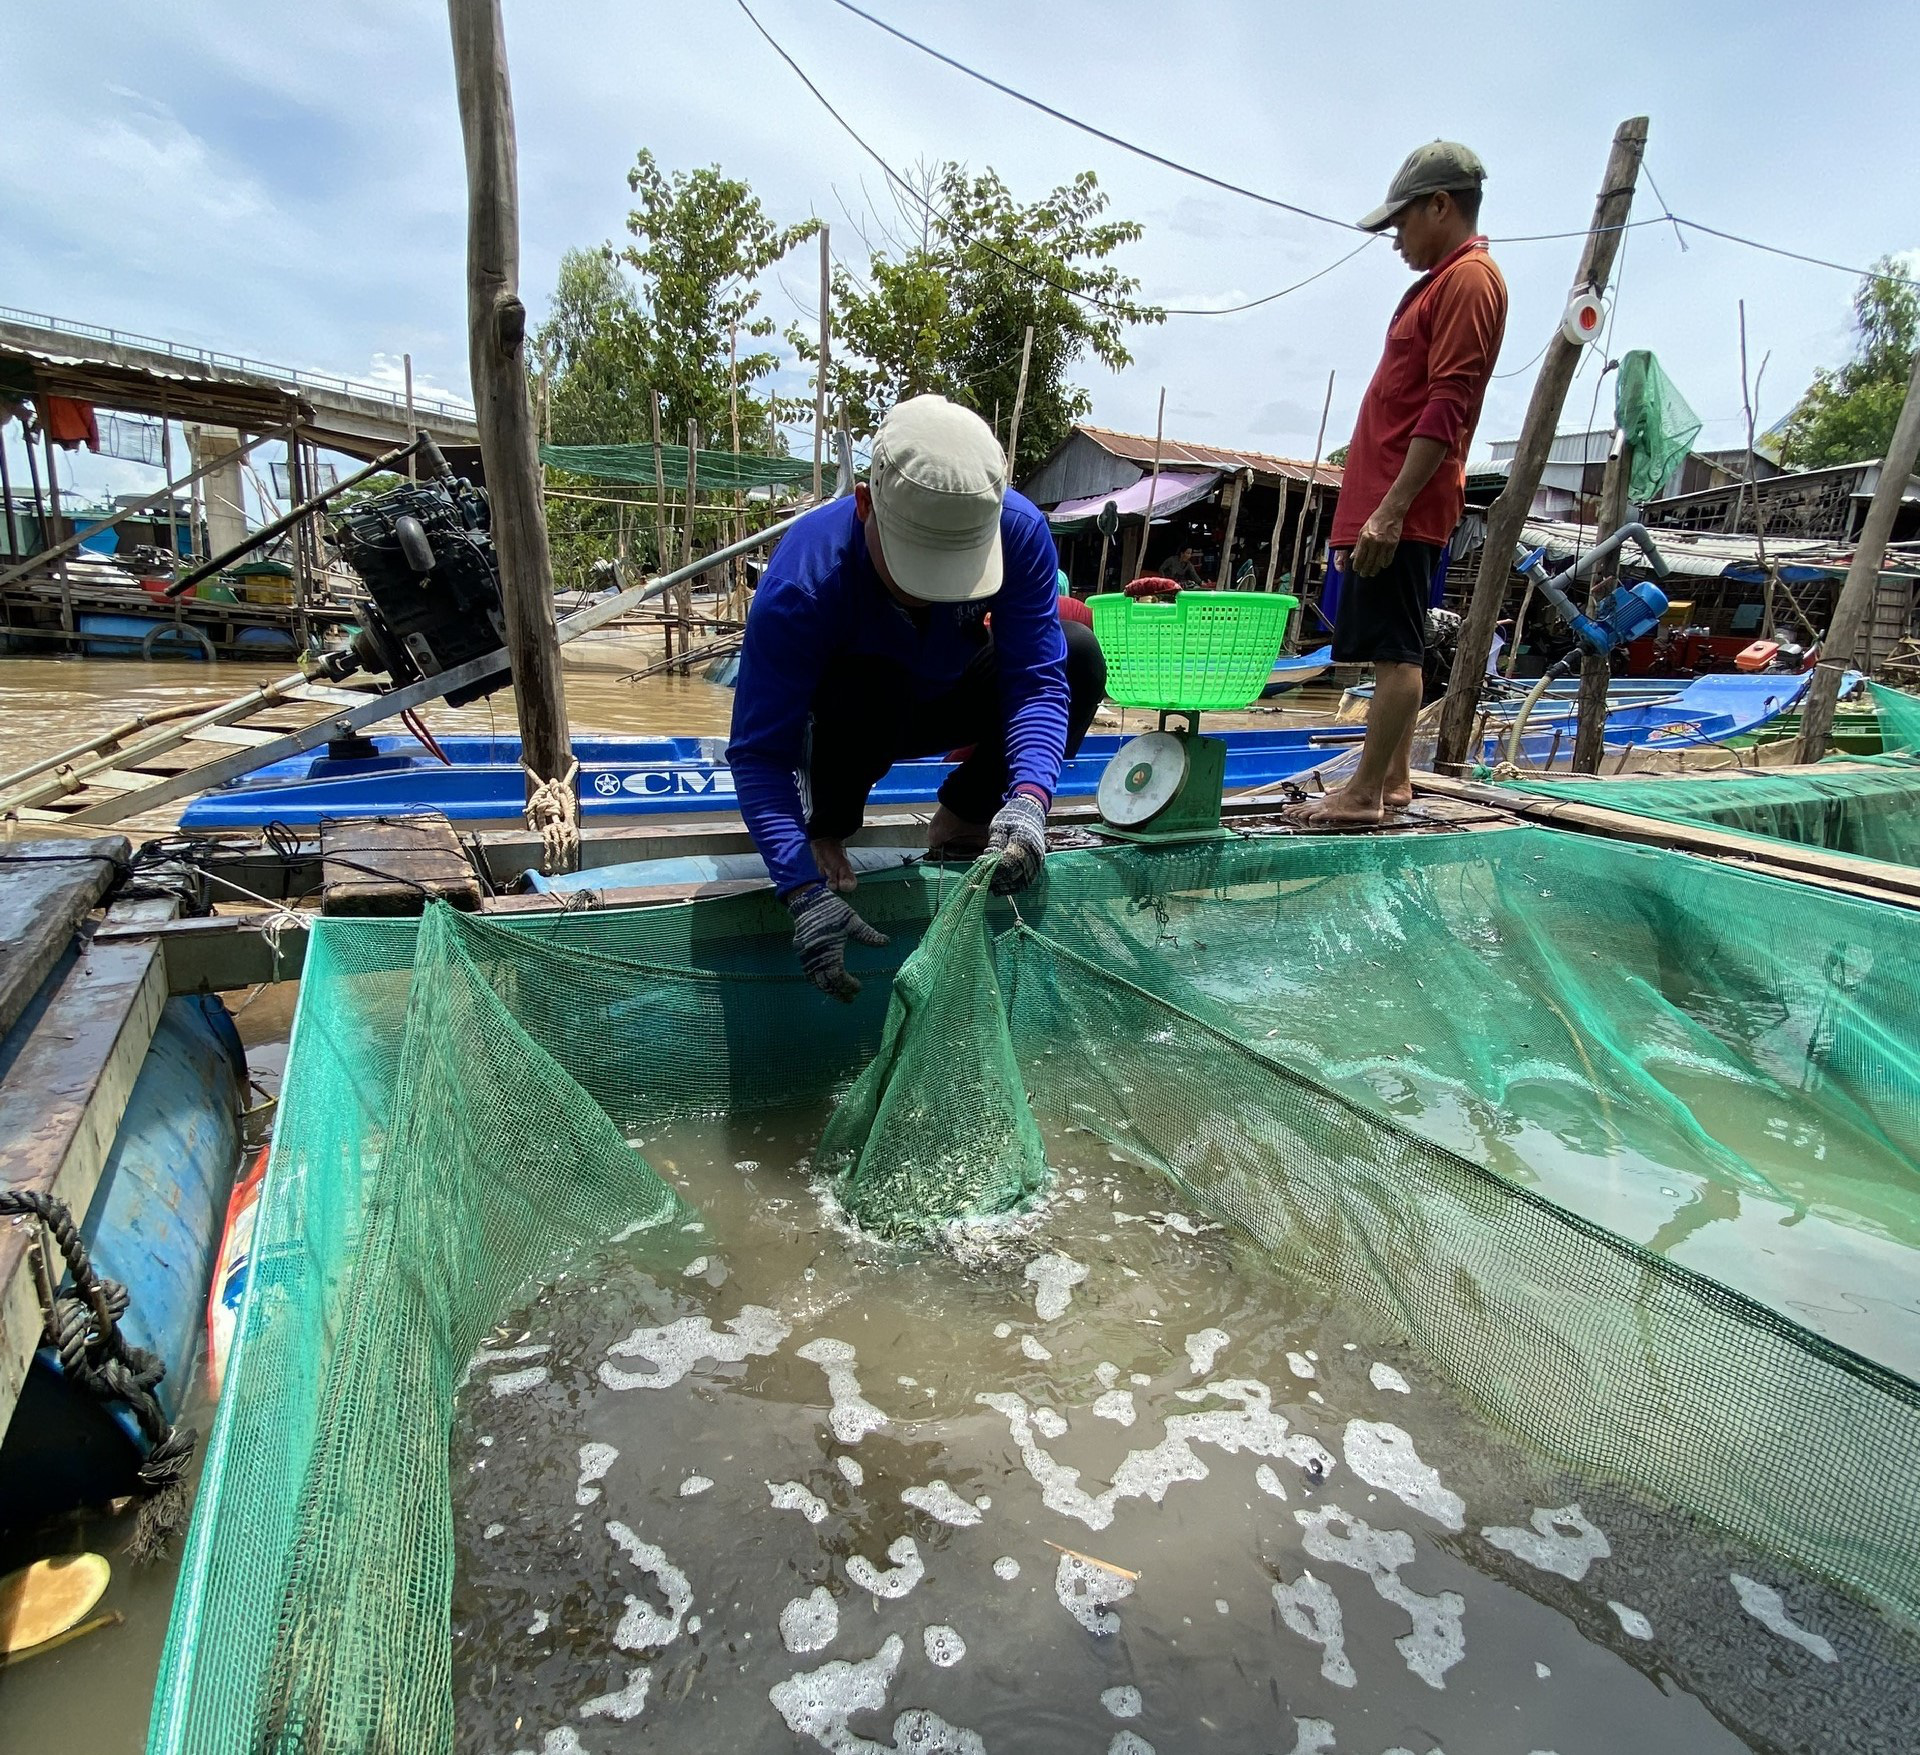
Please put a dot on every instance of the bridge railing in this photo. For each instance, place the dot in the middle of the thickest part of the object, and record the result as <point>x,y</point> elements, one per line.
<point>235,362</point>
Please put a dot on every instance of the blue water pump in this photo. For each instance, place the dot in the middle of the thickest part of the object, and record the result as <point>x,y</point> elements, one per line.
<point>1631,610</point>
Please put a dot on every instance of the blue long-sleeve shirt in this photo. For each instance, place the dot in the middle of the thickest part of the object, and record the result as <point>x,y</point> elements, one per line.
<point>821,599</point>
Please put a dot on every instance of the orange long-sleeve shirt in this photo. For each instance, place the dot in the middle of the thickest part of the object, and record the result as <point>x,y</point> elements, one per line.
<point>1430,383</point>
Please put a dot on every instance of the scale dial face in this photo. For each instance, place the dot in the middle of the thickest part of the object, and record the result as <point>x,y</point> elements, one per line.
<point>1144,777</point>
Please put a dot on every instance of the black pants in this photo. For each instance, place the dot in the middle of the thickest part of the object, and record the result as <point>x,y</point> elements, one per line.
<point>868,714</point>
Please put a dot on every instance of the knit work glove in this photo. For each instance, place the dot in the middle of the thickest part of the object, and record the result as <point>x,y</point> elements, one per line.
<point>822,924</point>
<point>1019,836</point>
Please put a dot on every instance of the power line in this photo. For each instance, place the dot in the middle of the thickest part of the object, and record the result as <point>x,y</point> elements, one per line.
<point>1017,266</point>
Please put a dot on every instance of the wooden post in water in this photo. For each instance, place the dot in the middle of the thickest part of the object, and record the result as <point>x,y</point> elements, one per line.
<point>661,563</point>
<point>53,506</point>
<point>1153,487</point>
<point>1508,514</point>
<point>496,337</point>
<point>1590,729</point>
<point>820,378</point>
<point>1863,576</point>
<point>1019,402</point>
<point>1224,577</point>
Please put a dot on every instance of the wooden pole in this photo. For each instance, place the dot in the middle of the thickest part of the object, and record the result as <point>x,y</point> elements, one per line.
<point>683,596</point>
<point>60,563</point>
<point>1224,577</point>
<point>1589,736</point>
<point>736,568</point>
<point>6,494</point>
<point>173,504</point>
<point>820,378</point>
<point>406,366</point>
<point>1313,483</point>
<point>1508,514</point>
<point>1273,541</point>
<point>296,496</point>
<point>1153,487</point>
<point>659,492</point>
<point>1019,401</point>
<point>496,338</point>
<point>1863,576</point>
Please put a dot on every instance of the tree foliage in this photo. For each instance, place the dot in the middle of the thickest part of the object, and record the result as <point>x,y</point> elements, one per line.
<point>1848,412</point>
<point>946,312</point>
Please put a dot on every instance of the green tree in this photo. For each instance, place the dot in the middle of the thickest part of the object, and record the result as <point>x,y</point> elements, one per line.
<point>1848,413</point>
<point>1338,456</point>
<point>593,355</point>
<point>947,312</point>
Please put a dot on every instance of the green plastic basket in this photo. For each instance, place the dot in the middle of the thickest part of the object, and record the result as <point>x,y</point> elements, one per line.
<point>1203,652</point>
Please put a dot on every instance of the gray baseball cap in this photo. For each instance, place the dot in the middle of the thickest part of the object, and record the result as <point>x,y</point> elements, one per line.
<point>937,478</point>
<point>1440,166</point>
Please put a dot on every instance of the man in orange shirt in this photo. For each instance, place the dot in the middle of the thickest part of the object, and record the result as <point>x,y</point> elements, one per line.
<point>1405,479</point>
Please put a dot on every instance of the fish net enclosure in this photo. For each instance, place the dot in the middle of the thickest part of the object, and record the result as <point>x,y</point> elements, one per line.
<point>1864,806</point>
<point>1619,1145</point>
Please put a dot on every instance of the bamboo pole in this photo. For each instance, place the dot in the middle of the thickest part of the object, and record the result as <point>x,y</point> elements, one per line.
<point>72,539</point>
<point>659,493</point>
<point>1153,487</point>
<point>1590,726</point>
<point>820,377</point>
<point>173,505</point>
<point>1313,482</point>
<point>736,568</point>
<point>683,597</point>
<point>496,337</point>
<point>1019,401</point>
<point>1508,513</point>
<point>1863,576</point>
<point>296,496</point>
<point>1273,541</point>
<point>1224,577</point>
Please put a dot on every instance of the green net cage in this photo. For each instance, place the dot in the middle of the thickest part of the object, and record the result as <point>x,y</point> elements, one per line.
<point>1621,1141</point>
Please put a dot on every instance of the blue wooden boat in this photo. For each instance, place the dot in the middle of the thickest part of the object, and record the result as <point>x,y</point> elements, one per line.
<point>1293,673</point>
<point>621,777</point>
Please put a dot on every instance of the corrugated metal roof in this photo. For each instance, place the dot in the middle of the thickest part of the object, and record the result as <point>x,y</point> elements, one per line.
<point>1694,554</point>
<point>1588,447</point>
<point>1138,448</point>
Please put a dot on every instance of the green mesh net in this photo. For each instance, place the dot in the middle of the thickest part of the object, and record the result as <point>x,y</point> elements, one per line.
<point>716,471</point>
<point>1624,1142</point>
<point>1657,422</point>
<point>938,1128</point>
<point>1899,715</point>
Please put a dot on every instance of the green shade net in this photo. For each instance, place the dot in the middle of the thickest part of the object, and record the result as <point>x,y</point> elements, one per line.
<point>717,471</point>
<point>938,1128</point>
<point>1657,422</point>
<point>1863,806</point>
<point>1624,1142</point>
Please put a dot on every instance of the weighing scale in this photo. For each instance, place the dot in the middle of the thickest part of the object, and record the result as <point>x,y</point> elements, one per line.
<point>1165,786</point>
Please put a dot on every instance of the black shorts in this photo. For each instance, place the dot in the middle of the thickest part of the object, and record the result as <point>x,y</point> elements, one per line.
<point>1383,620</point>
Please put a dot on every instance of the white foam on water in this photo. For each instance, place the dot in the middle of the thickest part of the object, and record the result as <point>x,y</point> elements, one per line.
<point>1054,1278</point>
<point>518,1382</point>
<point>538,1625</point>
<point>1300,1365</point>
<point>1122,1702</point>
<point>643,1627</point>
<point>1541,1670</point>
<point>818,1703</point>
<point>1268,1482</point>
<point>595,1460</point>
<point>1087,1592</point>
<point>1049,1423</point>
<point>696,1267</point>
<point>1385,1377</point>
<point>794,1496</point>
<point>1310,1608</point>
<point>1006,1568</point>
<point>1769,1608</point>
<point>674,1350</point>
<point>908,1570</point>
<point>1129,1743</point>
<point>1115,1405</point>
<point>747,1166</point>
<point>623,1703</point>
<point>1311,1736</point>
<point>1204,1348</point>
<point>1561,1542</point>
<point>1001,1330</point>
<point>694,1484</point>
<point>1632,1623</point>
<point>506,1355</point>
<point>1107,1373</point>
<point>940,1501</point>
<point>944,1646</point>
<point>1034,1350</point>
<point>853,1416</point>
<point>1436,1643</point>
<point>808,1623</point>
<point>1140,1380</point>
<point>492,1530</point>
<point>564,1741</point>
<point>855,1475</point>
<point>1383,1456</point>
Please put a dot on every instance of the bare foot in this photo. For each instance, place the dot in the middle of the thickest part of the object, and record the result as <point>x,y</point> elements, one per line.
<point>1397,797</point>
<point>835,867</point>
<point>950,836</point>
<point>1332,810</point>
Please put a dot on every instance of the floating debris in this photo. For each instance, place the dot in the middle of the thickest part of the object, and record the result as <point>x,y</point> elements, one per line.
<point>809,1623</point>
<point>1383,1456</point>
<point>1560,1541</point>
<point>1769,1608</point>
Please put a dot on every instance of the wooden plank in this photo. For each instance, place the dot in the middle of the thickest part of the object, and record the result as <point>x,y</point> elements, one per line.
<point>235,736</point>
<point>393,865</point>
<point>61,1104</point>
<point>46,889</point>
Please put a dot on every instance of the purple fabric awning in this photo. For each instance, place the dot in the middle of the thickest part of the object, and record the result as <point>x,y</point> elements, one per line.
<point>1173,491</point>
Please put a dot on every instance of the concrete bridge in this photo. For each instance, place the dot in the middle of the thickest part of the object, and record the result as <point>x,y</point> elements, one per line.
<point>361,420</point>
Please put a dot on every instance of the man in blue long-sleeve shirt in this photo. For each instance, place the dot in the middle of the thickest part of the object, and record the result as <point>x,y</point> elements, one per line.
<point>869,643</point>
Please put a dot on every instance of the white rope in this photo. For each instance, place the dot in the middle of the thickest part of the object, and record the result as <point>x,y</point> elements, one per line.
<point>270,929</point>
<point>553,813</point>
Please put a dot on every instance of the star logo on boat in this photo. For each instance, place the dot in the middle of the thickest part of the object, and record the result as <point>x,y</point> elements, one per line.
<point>606,784</point>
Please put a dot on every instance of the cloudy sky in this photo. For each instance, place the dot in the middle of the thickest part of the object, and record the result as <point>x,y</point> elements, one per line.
<point>287,182</point>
